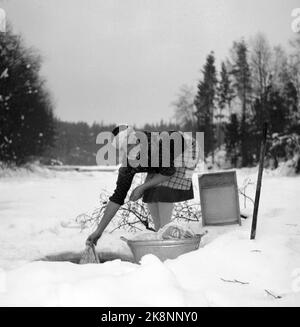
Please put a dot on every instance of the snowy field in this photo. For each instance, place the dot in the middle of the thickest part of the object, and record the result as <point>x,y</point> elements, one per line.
<point>37,219</point>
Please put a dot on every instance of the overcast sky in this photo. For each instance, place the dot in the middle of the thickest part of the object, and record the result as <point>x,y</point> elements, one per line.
<point>124,60</point>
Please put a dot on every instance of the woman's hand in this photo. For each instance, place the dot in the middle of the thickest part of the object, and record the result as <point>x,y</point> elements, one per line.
<point>93,238</point>
<point>137,193</point>
<point>109,213</point>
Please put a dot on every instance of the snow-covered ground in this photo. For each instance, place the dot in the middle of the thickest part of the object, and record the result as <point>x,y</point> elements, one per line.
<point>37,212</point>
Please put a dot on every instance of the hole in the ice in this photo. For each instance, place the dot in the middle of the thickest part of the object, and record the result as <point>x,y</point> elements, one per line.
<point>75,257</point>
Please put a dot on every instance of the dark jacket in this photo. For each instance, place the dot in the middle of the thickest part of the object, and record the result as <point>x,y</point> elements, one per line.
<point>126,173</point>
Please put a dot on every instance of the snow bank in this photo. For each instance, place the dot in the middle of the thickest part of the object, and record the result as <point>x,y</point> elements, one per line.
<point>28,170</point>
<point>113,283</point>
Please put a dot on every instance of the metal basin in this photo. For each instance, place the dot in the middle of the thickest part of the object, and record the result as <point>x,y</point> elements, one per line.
<point>163,249</point>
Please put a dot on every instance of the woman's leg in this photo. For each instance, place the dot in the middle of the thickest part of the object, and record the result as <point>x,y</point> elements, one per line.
<point>165,212</point>
<point>153,208</point>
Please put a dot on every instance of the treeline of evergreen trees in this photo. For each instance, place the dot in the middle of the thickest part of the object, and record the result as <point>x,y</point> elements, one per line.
<point>26,116</point>
<point>257,83</point>
<point>75,143</point>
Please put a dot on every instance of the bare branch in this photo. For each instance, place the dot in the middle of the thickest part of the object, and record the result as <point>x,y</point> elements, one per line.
<point>234,281</point>
<point>277,297</point>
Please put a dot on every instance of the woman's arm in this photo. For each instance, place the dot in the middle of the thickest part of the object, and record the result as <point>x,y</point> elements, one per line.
<point>109,213</point>
<point>124,181</point>
<point>138,192</point>
<point>155,180</point>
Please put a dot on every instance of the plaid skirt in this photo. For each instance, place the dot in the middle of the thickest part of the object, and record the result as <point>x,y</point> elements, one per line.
<point>178,188</point>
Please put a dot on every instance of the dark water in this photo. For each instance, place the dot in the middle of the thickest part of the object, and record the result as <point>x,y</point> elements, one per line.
<point>75,257</point>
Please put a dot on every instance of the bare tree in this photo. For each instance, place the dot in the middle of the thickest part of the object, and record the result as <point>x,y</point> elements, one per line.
<point>260,61</point>
<point>280,67</point>
<point>185,111</point>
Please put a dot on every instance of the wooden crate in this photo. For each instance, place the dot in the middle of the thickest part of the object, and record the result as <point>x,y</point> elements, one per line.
<point>219,199</point>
